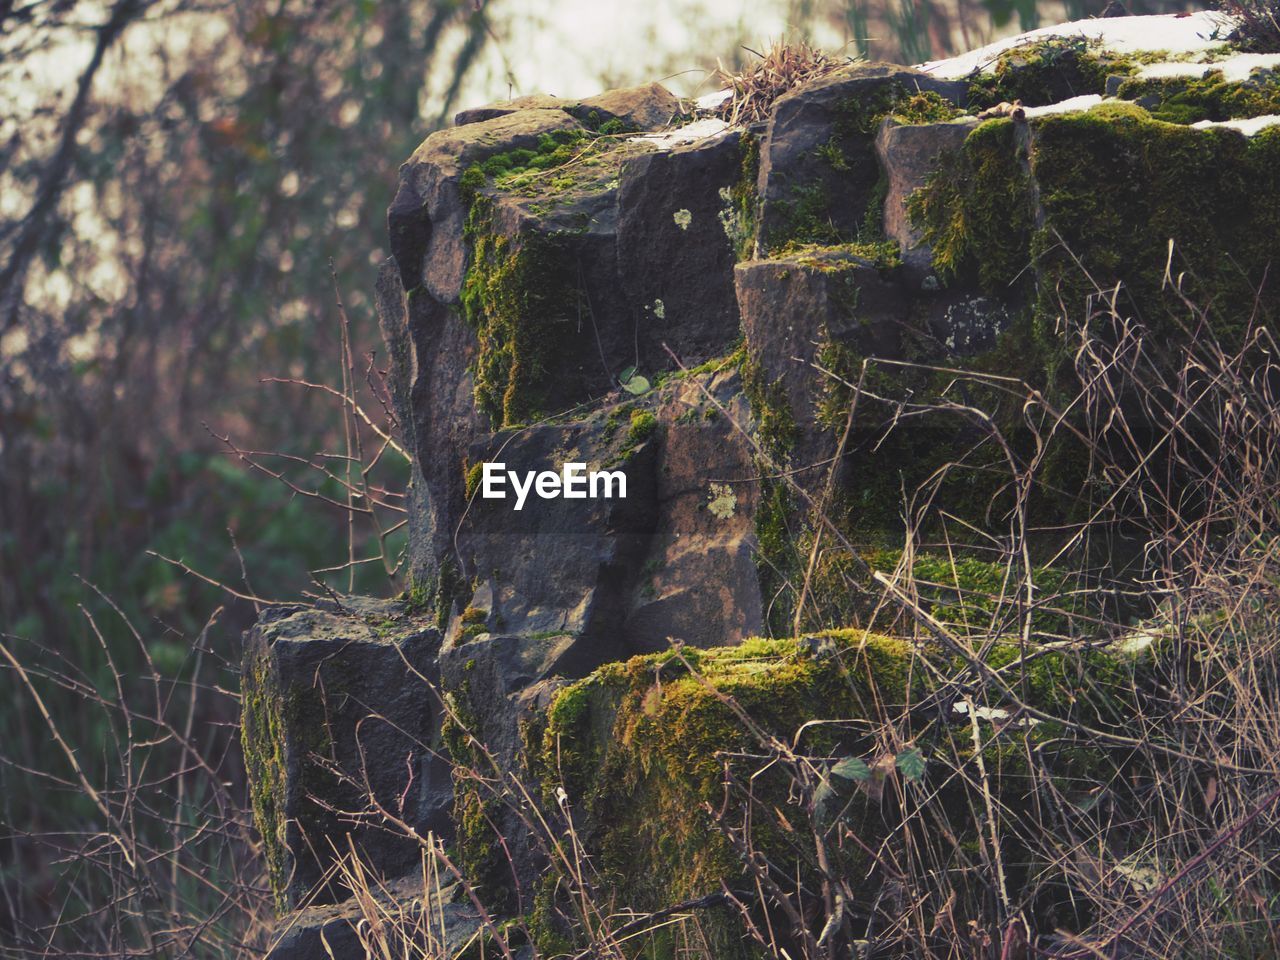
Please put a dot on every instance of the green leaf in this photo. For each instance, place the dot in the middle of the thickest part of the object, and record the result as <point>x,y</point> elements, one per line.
<point>636,385</point>
<point>822,798</point>
<point>626,375</point>
<point>851,768</point>
<point>911,763</point>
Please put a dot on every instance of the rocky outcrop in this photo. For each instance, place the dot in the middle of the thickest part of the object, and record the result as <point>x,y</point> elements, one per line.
<point>689,313</point>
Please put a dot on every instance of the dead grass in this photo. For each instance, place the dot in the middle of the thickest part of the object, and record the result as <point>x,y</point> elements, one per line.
<point>1257,24</point>
<point>782,67</point>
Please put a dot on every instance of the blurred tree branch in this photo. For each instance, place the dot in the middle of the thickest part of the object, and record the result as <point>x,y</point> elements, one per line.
<point>13,276</point>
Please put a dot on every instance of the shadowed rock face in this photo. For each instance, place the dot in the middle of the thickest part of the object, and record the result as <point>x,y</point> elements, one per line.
<point>338,708</point>
<point>525,294</point>
<point>817,170</point>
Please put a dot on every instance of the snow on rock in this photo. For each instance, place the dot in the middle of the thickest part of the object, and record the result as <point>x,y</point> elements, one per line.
<point>1233,69</point>
<point>1066,106</point>
<point>713,101</point>
<point>1248,127</point>
<point>1176,33</point>
<point>689,133</point>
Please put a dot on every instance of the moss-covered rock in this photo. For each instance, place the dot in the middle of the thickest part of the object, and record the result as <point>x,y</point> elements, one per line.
<point>330,702</point>
<point>1048,71</point>
<point>818,177</point>
<point>1073,204</point>
<point>522,299</point>
<point>1208,97</point>
<point>639,749</point>
<point>650,757</point>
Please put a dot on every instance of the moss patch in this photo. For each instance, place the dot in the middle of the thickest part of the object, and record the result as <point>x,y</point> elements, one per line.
<point>641,749</point>
<point>775,421</point>
<point>1117,186</point>
<point>1047,72</point>
<point>521,298</point>
<point>884,255</point>
<point>740,211</point>
<point>1211,97</point>
<point>976,212</point>
<point>564,164</point>
<point>1113,187</point>
<point>643,425</point>
<point>263,742</point>
<point>276,723</point>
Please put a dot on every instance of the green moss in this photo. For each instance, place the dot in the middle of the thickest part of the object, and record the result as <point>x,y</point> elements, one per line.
<point>553,150</point>
<point>521,298</point>
<point>475,621</point>
<point>563,164</point>
<point>274,722</point>
<point>605,127</point>
<point>882,254</point>
<point>417,596</point>
<point>1116,187</point>
<point>639,748</point>
<point>975,595</point>
<point>976,211</point>
<point>740,211</point>
<point>848,158</point>
<point>472,478</point>
<point>472,181</point>
<point>435,596</point>
<point>643,425</point>
<point>779,525</point>
<point>1048,71</point>
<point>1192,99</point>
<point>477,810</point>
<point>732,359</point>
<point>1113,188</point>
<point>923,106</point>
<point>775,421</point>
<point>807,217</point>
<point>263,743</point>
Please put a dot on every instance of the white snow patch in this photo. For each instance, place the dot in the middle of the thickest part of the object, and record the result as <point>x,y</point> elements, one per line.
<point>990,714</point>
<point>711,101</point>
<point>1200,31</point>
<point>1066,106</point>
<point>1247,127</point>
<point>1234,69</point>
<point>1139,641</point>
<point>689,133</point>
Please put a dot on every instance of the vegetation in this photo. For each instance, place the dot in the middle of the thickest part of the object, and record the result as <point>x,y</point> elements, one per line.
<point>1257,24</point>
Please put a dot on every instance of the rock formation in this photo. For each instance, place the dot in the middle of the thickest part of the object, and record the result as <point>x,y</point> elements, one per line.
<point>627,283</point>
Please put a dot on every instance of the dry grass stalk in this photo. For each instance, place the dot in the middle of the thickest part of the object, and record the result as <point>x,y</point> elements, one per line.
<point>782,67</point>
<point>1257,24</point>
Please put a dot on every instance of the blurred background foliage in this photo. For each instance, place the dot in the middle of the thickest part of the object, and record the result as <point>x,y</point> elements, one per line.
<point>181,183</point>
